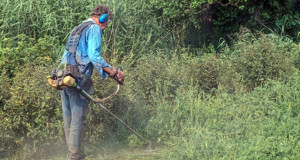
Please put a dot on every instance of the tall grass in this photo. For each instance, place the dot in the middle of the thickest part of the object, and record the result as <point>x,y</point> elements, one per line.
<point>263,124</point>
<point>38,18</point>
<point>135,30</point>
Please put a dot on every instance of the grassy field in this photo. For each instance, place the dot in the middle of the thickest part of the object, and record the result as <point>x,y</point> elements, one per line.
<point>239,99</point>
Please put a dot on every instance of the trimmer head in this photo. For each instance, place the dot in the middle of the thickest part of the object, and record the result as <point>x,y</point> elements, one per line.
<point>149,147</point>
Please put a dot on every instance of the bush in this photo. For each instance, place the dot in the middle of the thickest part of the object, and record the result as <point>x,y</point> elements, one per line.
<point>17,51</point>
<point>31,117</point>
<point>4,88</point>
<point>211,72</point>
<point>262,58</point>
<point>232,127</point>
<point>295,49</point>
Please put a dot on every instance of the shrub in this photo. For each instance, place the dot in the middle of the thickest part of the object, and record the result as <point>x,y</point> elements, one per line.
<point>295,49</point>
<point>232,126</point>
<point>31,117</point>
<point>207,72</point>
<point>4,88</point>
<point>262,58</point>
<point>17,51</point>
<point>212,71</point>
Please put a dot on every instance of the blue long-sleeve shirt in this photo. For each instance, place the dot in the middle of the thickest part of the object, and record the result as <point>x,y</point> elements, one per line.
<point>88,51</point>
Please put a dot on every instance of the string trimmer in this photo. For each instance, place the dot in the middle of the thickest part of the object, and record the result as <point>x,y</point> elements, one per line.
<point>67,80</point>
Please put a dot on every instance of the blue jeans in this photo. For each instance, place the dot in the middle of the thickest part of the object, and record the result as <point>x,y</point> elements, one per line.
<point>75,108</point>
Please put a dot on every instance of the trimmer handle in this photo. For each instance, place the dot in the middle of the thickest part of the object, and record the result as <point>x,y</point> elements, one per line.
<point>120,68</point>
<point>115,76</point>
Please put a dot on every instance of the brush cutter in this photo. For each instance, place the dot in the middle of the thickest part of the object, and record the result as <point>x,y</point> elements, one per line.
<point>69,81</point>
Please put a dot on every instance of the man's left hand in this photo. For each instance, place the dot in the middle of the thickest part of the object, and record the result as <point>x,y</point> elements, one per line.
<point>118,75</point>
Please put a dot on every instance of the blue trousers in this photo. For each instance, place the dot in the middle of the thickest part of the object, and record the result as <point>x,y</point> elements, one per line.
<point>75,108</point>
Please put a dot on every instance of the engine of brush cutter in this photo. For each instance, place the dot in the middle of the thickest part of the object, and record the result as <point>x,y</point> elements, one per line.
<point>61,79</point>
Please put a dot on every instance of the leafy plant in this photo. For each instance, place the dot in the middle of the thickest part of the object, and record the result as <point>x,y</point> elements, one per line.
<point>17,51</point>
<point>4,88</point>
<point>31,117</point>
<point>262,58</point>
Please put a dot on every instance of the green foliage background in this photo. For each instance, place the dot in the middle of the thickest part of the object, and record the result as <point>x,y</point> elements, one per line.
<point>198,81</point>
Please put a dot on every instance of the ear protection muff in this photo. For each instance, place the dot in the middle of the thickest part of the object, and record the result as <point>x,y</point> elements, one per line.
<point>103,18</point>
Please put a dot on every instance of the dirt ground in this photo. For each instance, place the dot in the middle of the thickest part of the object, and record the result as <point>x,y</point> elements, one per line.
<point>117,153</point>
<point>93,152</point>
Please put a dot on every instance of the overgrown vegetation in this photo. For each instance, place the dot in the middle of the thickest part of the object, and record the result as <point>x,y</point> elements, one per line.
<point>232,126</point>
<point>215,19</point>
<point>235,98</point>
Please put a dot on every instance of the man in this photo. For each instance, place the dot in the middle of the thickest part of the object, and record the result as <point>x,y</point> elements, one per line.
<point>87,56</point>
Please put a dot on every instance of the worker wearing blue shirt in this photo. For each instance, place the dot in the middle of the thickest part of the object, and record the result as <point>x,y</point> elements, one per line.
<point>88,51</point>
<point>88,56</point>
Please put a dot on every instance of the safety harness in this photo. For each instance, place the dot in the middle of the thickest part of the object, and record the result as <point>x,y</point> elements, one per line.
<point>63,78</point>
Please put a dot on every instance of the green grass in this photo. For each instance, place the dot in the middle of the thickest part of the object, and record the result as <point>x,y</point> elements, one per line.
<point>263,124</point>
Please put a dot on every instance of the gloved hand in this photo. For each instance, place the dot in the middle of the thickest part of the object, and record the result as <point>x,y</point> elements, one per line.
<point>118,75</point>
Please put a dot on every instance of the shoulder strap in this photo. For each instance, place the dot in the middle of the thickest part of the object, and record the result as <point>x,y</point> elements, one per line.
<point>79,28</point>
<point>74,39</point>
<point>75,36</point>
